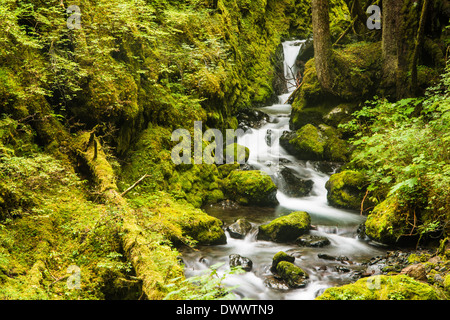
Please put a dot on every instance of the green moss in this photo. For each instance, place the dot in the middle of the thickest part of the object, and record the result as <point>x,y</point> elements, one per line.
<point>240,153</point>
<point>281,256</point>
<point>346,190</point>
<point>250,187</point>
<point>309,142</point>
<point>447,284</point>
<point>286,228</point>
<point>294,276</point>
<point>178,221</point>
<point>357,68</point>
<point>399,287</point>
<point>226,169</point>
<point>387,222</point>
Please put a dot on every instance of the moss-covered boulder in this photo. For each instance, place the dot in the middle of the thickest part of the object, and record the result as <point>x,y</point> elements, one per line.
<point>239,153</point>
<point>319,142</point>
<point>278,257</point>
<point>346,189</point>
<point>382,287</point>
<point>287,228</point>
<point>252,187</point>
<point>294,276</point>
<point>387,222</point>
<point>308,143</point>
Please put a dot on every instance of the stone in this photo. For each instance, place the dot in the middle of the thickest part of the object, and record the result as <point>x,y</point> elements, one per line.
<point>274,283</point>
<point>387,222</point>
<point>312,241</point>
<point>237,260</point>
<point>294,186</point>
<point>239,229</point>
<point>252,187</point>
<point>286,228</point>
<point>416,271</point>
<point>294,276</point>
<point>382,287</point>
<point>346,190</point>
<point>278,257</point>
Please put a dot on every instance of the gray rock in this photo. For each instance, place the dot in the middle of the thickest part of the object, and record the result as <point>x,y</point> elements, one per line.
<point>239,229</point>
<point>237,260</point>
<point>312,241</point>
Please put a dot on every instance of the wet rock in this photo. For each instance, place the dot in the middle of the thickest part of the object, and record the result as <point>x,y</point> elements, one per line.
<point>280,256</point>
<point>250,118</point>
<point>294,276</point>
<point>343,259</point>
<point>341,269</point>
<point>327,166</point>
<point>294,186</point>
<point>416,271</point>
<point>237,260</point>
<point>239,229</point>
<point>312,241</point>
<point>326,256</point>
<point>250,188</point>
<point>287,228</point>
<point>274,283</point>
<point>269,137</point>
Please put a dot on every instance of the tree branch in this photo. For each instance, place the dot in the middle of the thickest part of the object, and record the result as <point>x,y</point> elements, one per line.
<point>134,185</point>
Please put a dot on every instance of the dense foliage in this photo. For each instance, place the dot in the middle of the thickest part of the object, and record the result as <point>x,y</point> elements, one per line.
<point>403,148</point>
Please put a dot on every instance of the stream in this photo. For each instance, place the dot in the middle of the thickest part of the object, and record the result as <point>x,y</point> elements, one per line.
<point>339,226</point>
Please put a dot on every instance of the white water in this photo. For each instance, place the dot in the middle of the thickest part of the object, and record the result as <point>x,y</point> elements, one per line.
<point>339,226</point>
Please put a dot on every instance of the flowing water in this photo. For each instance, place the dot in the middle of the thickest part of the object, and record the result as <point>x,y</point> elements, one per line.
<point>339,226</point>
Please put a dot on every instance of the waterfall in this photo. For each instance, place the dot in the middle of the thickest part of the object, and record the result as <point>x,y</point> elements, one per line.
<point>339,226</point>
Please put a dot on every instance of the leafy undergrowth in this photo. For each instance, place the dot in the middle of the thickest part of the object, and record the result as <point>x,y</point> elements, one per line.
<point>403,148</point>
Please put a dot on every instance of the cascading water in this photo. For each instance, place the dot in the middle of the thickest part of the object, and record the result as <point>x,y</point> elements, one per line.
<point>339,226</point>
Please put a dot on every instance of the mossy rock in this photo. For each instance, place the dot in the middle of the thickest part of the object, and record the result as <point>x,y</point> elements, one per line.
<point>308,143</point>
<point>252,187</point>
<point>226,169</point>
<point>278,257</point>
<point>387,222</point>
<point>312,142</point>
<point>382,287</point>
<point>240,153</point>
<point>294,276</point>
<point>346,190</point>
<point>287,228</point>
<point>447,284</point>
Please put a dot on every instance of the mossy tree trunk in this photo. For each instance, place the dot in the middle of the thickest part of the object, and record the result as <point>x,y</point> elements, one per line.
<point>418,46</point>
<point>402,41</point>
<point>323,54</point>
<point>391,15</point>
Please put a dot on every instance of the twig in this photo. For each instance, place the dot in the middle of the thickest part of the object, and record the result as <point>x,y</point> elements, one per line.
<point>134,185</point>
<point>362,202</point>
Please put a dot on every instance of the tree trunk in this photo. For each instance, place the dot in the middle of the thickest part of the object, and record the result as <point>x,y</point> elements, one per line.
<point>323,53</point>
<point>391,15</point>
<point>418,46</point>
